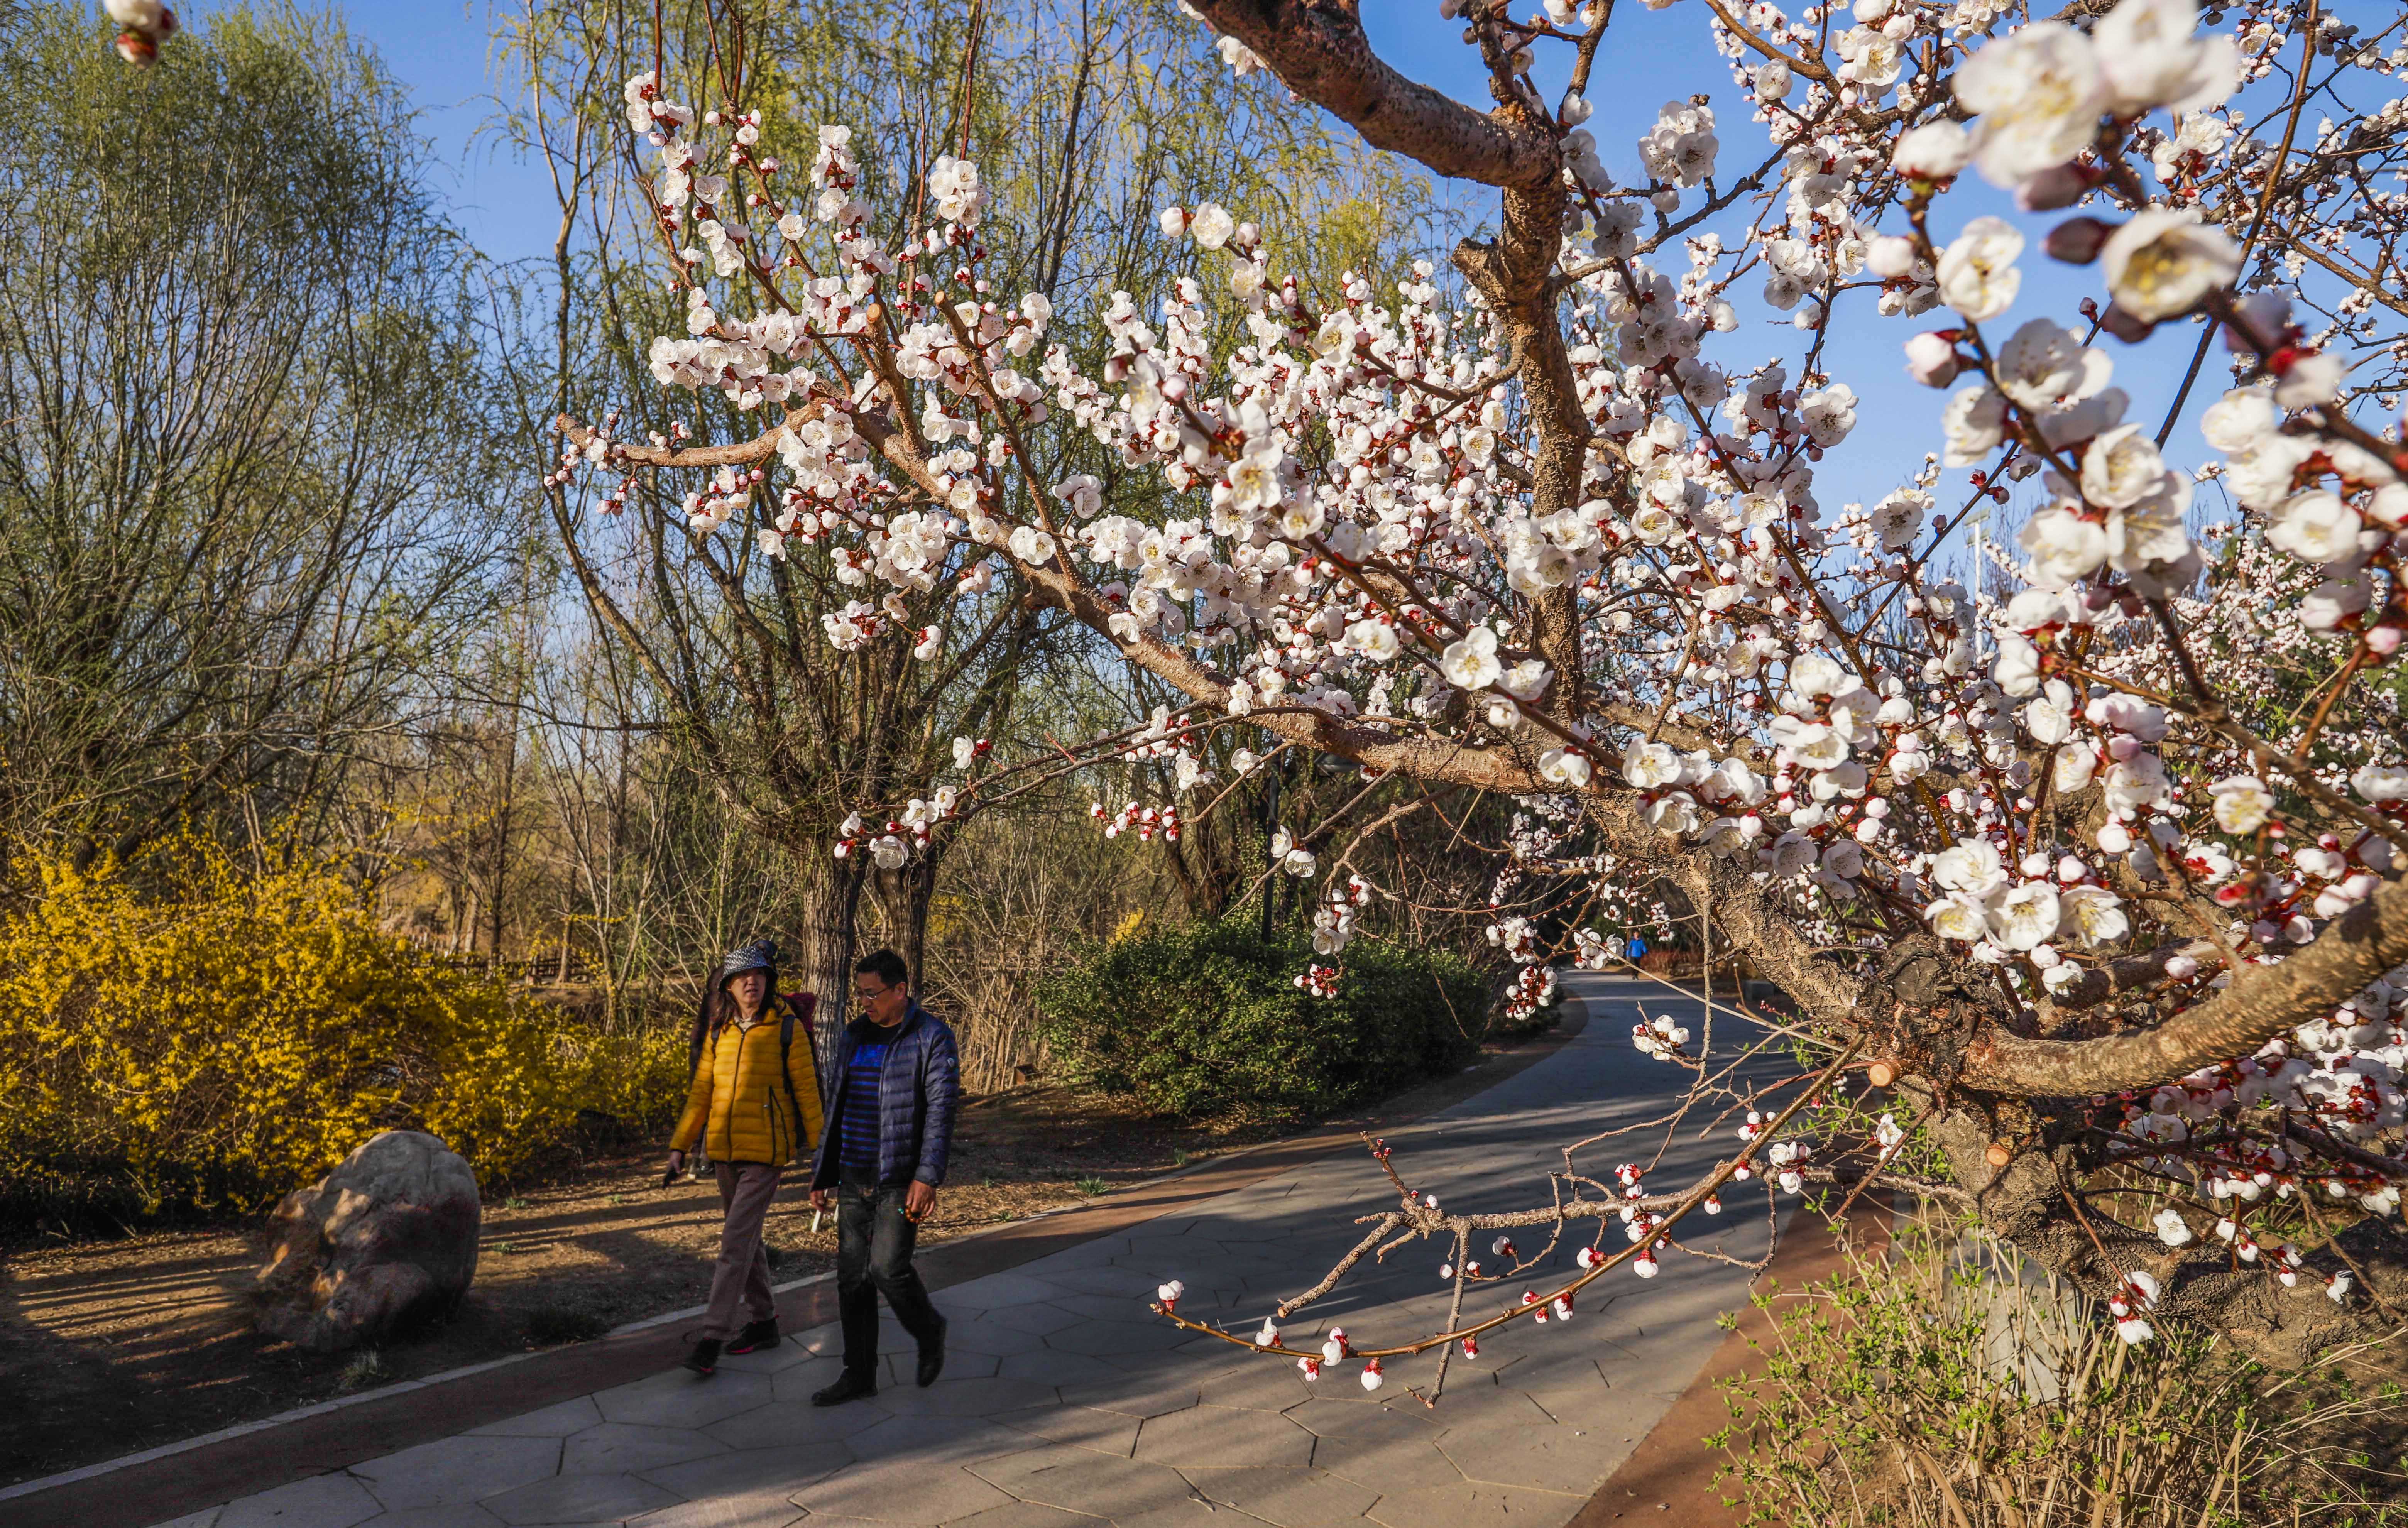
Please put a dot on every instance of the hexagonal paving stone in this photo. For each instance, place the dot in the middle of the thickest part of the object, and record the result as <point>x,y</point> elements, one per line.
<point>1024,1515</point>
<point>551,1421</point>
<point>901,1490</point>
<point>1039,1317</point>
<point>456,1515</point>
<point>1048,1367</point>
<point>1331,1416</point>
<point>617,1447</point>
<point>1472,1504</point>
<point>786,1424</point>
<point>1085,1427</point>
<point>1000,1291</point>
<point>1121,1306</point>
<point>678,1399</point>
<point>724,1512</point>
<point>322,1501</point>
<point>1478,1405</point>
<point>458,1469</point>
<point>1549,1458</point>
<point>1259,1384</point>
<point>1137,1395</point>
<point>780,1471</point>
<point>1224,1436</point>
<point>1108,1279</point>
<point>1591,1406</point>
<point>949,1439</point>
<point>951,1397</point>
<point>1400,1460</point>
<point>1291,1498</point>
<point>579,1498</point>
<point>978,1335</point>
<point>1083,1480</point>
<point>1195,1512</point>
<point>1102,1337</point>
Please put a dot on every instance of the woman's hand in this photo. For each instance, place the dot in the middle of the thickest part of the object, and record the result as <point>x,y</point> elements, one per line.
<point>677,1166</point>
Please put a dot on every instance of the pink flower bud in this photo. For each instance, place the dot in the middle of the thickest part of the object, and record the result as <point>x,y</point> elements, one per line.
<point>2125,326</point>
<point>1890,255</point>
<point>1931,360</point>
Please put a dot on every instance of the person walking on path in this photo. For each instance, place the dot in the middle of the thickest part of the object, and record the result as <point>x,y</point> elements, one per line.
<point>897,1085</point>
<point>755,1106</point>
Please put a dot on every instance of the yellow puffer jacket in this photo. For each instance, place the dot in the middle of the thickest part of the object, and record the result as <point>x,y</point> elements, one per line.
<point>752,1110</point>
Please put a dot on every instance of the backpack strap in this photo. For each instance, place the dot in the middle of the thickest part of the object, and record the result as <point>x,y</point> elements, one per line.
<point>798,1006</point>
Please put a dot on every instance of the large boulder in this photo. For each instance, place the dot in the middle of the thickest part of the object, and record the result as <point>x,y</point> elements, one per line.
<point>387,1239</point>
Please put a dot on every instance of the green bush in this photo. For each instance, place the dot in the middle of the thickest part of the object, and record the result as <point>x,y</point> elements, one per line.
<point>1206,1021</point>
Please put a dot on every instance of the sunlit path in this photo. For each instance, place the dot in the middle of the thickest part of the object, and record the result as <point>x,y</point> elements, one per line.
<point>1065,1401</point>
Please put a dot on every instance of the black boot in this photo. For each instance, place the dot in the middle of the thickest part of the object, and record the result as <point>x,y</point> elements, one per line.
<point>932,1357</point>
<point>850,1387</point>
<point>756,1336</point>
<point>703,1360</point>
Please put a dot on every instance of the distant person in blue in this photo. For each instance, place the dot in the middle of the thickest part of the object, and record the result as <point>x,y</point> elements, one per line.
<point>1638,948</point>
<point>897,1084</point>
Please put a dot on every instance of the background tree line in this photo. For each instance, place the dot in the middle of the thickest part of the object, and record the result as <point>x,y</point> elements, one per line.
<point>279,576</point>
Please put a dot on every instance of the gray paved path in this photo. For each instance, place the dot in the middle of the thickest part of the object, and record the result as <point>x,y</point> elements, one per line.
<point>1067,1404</point>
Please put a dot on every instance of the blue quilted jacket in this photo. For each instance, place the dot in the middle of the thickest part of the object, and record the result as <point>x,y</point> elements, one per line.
<point>918,1093</point>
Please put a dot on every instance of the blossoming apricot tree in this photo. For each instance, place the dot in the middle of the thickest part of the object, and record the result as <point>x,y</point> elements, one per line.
<point>2104,878</point>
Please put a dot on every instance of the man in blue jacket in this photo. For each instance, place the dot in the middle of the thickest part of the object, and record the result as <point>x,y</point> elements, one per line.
<point>895,1086</point>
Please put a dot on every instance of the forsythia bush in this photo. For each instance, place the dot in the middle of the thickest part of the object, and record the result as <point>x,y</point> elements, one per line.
<point>207,1035</point>
<point>1207,1021</point>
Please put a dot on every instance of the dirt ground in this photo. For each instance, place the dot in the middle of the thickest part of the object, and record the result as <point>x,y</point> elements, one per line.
<point>109,1347</point>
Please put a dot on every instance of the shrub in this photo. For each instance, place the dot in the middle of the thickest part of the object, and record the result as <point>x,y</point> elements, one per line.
<point>1206,1021</point>
<point>209,1035</point>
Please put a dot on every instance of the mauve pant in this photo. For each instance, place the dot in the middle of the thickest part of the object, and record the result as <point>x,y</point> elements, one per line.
<point>741,1275</point>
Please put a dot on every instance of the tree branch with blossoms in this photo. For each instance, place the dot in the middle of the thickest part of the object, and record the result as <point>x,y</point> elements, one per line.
<point>2108,918</point>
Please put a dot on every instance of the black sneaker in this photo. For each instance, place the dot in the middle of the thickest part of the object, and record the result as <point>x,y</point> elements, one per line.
<point>705,1358</point>
<point>932,1358</point>
<point>756,1336</point>
<point>852,1387</point>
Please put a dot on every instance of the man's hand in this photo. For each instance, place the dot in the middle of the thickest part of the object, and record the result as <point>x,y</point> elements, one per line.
<point>677,1166</point>
<point>819,1199</point>
<point>918,1200</point>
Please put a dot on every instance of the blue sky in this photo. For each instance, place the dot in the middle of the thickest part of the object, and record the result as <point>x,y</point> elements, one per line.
<point>440,50</point>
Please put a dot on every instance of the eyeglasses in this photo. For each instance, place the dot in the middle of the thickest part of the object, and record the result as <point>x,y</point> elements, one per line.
<point>872,993</point>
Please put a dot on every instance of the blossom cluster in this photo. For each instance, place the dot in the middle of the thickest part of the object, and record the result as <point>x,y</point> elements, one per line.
<point>2139,754</point>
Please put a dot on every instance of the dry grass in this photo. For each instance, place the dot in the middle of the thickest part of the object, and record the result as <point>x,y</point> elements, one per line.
<point>1940,1384</point>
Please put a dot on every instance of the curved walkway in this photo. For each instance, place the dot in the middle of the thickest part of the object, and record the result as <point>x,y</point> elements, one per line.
<point>1066,1404</point>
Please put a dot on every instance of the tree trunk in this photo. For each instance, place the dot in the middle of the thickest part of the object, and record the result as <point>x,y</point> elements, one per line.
<point>903,898</point>
<point>826,928</point>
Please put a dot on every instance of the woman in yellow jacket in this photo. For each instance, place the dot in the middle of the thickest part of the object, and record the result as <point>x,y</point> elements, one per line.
<point>755,1106</point>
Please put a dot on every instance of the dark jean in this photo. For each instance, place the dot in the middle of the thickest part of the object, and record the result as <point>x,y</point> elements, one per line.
<point>873,1257</point>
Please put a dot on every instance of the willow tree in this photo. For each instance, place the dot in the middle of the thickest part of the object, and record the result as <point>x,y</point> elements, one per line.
<point>247,496</point>
<point>799,690</point>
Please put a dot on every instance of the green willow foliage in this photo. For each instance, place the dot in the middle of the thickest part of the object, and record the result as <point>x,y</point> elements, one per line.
<point>246,482</point>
